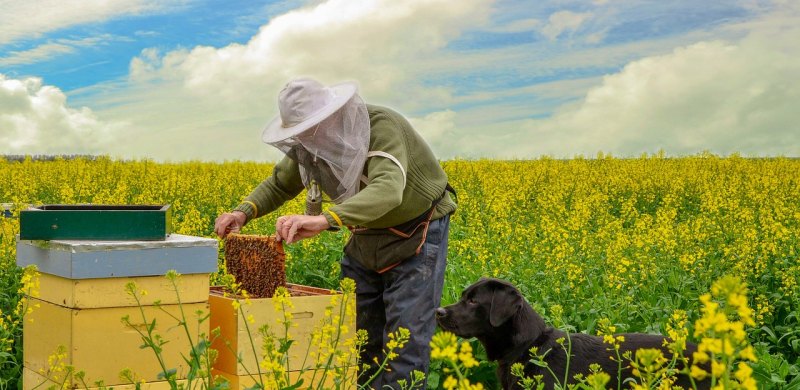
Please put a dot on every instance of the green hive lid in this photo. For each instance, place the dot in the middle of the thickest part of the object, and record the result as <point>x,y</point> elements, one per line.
<point>95,222</point>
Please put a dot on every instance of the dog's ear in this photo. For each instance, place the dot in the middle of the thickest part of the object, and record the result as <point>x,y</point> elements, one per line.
<point>506,302</point>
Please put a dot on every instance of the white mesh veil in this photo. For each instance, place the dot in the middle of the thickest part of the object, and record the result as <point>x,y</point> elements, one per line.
<point>334,151</point>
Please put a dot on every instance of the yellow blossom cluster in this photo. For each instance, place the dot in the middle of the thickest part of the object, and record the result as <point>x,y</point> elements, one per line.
<point>723,340</point>
<point>333,349</point>
<point>677,332</point>
<point>459,359</point>
<point>608,332</point>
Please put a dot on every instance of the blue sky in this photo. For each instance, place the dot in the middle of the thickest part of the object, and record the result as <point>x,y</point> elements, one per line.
<point>198,79</point>
<point>125,36</point>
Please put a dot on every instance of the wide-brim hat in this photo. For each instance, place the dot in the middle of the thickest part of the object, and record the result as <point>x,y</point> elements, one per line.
<point>303,103</point>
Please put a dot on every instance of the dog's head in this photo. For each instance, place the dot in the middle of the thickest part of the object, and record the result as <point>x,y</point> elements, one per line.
<point>484,306</point>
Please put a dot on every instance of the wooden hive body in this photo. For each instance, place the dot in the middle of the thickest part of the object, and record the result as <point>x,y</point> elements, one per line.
<point>83,299</point>
<point>310,305</point>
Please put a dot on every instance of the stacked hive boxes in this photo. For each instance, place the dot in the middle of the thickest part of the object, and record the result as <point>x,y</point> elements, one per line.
<point>83,298</point>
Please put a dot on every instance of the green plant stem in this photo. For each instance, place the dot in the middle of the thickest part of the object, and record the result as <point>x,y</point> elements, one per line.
<point>569,358</point>
<point>253,346</point>
<point>619,367</point>
<point>149,341</point>
<point>286,324</point>
<point>334,342</point>
<point>182,321</point>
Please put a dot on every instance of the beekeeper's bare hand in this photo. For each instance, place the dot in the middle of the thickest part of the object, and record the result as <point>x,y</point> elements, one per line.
<point>229,223</point>
<point>293,228</point>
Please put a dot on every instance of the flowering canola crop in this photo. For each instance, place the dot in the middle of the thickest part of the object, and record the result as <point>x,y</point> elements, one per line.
<point>629,240</point>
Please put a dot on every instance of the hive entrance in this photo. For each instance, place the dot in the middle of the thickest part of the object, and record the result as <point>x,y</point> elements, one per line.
<point>258,263</point>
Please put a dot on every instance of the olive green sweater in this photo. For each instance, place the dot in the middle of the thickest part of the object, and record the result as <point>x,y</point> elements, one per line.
<point>382,202</point>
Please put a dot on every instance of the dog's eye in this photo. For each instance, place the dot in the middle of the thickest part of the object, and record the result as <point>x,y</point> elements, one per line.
<point>471,301</point>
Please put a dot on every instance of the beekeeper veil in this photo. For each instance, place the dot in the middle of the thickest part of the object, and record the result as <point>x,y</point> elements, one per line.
<point>326,131</point>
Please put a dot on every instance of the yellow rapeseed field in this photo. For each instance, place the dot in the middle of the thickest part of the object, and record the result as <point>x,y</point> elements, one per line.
<point>628,240</point>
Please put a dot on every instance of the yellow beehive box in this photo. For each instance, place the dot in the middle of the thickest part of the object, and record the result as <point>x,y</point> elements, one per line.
<point>97,341</point>
<point>310,305</point>
<point>111,292</point>
<point>311,379</point>
<point>33,380</point>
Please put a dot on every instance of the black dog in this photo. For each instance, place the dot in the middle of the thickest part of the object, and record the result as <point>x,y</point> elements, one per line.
<point>494,312</point>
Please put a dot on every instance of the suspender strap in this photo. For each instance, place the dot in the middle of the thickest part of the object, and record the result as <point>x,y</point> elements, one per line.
<point>379,153</point>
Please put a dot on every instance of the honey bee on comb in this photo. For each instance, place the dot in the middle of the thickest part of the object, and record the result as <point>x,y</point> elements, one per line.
<point>258,263</point>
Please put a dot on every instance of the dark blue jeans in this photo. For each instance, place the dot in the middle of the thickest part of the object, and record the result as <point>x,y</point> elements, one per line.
<point>404,296</point>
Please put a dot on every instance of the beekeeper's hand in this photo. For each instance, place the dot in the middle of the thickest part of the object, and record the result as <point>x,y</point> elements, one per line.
<point>229,223</point>
<point>293,228</point>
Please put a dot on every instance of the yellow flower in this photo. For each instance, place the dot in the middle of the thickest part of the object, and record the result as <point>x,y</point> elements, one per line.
<point>748,354</point>
<point>465,356</point>
<point>698,373</point>
<point>450,383</point>
<point>744,374</point>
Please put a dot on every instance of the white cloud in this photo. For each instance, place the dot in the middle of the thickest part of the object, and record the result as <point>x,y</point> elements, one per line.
<point>717,96</point>
<point>220,97</point>
<point>373,40</point>
<point>563,21</point>
<point>35,119</point>
<point>36,54</point>
<point>21,20</point>
<point>51,49</point>
<point>215,100</point>
<point>437,128</point>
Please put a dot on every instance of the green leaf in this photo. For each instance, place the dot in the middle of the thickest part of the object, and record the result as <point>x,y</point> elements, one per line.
<point>783,369</point>
<point>794,384</point>
<point>433,380</point>
<point>202,346</point>
<point>770,334</point>
<point>295,386</point>
<point>539,363</point>
<point>168,374</point>
<point>285,346</point>
<point>795,345</point>
<point>220,384</point>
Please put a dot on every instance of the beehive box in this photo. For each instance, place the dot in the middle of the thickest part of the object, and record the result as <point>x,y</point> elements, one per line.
<point>34,380</point>
<point>98,343</point>
<point>242,382</point>
<point>83,299</point>
<point>82,259</point>
<point>309,303</point>
<point>95,222</point>
<point>110,292</point>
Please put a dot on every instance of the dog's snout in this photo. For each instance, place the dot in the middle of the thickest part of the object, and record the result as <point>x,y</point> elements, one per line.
<point>441,312</point>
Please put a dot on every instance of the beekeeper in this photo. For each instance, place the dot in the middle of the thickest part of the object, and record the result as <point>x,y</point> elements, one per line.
<point>382,182</point>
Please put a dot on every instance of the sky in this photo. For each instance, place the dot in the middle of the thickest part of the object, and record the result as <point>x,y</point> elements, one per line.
<point>179,80</point>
